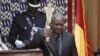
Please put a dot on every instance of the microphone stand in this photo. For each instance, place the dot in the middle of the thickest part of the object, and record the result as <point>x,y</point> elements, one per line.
<point>46,45</point>
<point>51,54</point>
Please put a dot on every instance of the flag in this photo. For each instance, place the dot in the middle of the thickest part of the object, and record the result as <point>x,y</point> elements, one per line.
<point>81,34</point>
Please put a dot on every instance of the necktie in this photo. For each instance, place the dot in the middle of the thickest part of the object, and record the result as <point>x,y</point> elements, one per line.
<point>59,46</point>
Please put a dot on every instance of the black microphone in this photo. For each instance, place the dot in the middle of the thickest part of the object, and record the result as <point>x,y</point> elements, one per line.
<point>41,32</point>
<point>45,43</point>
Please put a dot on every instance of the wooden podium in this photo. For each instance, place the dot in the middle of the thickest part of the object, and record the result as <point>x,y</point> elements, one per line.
<point>28,52</point>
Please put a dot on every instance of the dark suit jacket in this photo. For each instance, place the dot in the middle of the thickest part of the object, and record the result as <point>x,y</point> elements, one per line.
<point>21,29</point>
<point>68,45</point>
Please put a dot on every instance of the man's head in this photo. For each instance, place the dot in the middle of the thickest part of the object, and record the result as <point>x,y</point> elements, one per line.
<point>33,5</point>
<point>57,23</point>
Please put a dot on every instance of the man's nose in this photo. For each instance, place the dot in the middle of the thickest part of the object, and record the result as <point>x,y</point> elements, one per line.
<point>58,26</point>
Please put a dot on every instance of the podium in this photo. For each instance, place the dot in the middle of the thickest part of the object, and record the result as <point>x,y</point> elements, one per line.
<point>29,52</point>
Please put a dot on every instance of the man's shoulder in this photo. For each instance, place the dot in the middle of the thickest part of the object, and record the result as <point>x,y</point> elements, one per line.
<point>21,15</point>
<point>42,13</point>
<point>68,33</point>
<point>69,36</point>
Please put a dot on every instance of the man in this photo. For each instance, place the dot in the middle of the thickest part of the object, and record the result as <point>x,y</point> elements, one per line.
<point>25,25</point>
<point>60,42</point>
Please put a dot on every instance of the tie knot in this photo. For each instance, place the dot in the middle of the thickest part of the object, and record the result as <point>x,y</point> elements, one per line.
<point>57,37</point>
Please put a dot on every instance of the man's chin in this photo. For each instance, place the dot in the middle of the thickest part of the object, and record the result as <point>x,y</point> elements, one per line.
<point>58,32</point>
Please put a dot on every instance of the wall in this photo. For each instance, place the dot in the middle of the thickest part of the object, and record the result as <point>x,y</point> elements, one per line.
<point>99,24</point>
<point>93,15</point>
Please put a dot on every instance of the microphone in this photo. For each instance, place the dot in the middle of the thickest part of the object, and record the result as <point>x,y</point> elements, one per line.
<point>45,43</point>
<point>51,54</point>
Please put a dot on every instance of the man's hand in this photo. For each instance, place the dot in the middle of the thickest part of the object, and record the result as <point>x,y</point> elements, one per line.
<point>19,44</point>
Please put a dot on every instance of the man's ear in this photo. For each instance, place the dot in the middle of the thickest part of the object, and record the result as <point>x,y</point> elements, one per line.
<point>51,26</point>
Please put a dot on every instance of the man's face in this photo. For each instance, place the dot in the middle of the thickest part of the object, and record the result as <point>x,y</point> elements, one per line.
<point>33,10</point>
<point>58,26</point>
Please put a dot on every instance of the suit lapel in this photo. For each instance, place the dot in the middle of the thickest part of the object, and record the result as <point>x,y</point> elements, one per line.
<point>52,43</point>
<point>63,41</point>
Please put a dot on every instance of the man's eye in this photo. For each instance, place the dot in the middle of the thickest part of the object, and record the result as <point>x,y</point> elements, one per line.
<point>56,24</point>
